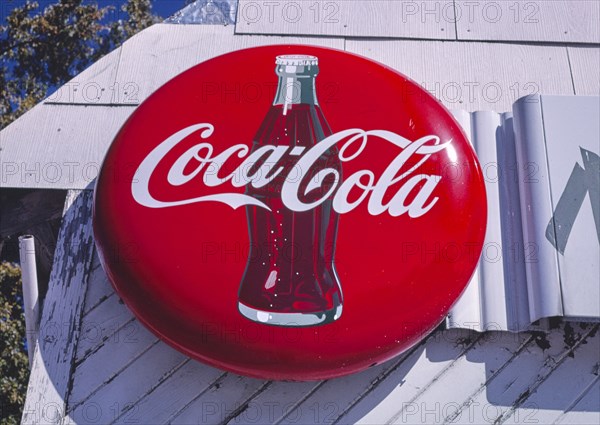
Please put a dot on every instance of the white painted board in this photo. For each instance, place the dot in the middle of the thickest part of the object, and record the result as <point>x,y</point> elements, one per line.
<point>566,21</point>
<point>474,76</point>
<point>585,68</point>
<point>58,146</point>
<point>50,376</point>
<point>163,51</point>
<point>433,19</point>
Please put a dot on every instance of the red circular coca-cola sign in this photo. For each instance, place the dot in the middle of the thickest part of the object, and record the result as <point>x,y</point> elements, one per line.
<point>290,212</point>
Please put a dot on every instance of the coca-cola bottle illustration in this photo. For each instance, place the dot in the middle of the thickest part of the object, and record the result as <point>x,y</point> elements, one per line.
<point>290,279</point>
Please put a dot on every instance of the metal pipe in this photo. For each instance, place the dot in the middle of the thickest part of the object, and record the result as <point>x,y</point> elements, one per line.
<point>30,291</point>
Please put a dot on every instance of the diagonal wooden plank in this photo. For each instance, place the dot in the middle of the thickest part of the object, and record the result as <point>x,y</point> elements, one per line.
<point>474,370</point>
<point>512,385</point>
<point>274,402</point>
<point>586,411</point>
<point>61,317</point>
<point>220,401</point>
<point>564,388</point>
<point>549,388</point>
<point>129,386</point>
<point>585,68</point>
<point>110,320</point>
<point>111,358</point>
<point>411,377</point>
<point>99,288</point>
<point>172,395</point>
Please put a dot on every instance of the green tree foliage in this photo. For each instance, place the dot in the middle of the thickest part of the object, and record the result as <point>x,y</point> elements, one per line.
<point>14,367</point>
<point>43,48</point>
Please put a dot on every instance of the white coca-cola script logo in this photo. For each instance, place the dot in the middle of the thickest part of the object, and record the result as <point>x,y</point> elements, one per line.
<point>352,143</point>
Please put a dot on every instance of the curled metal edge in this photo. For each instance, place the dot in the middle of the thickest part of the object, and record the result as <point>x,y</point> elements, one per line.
<point>206,12</point>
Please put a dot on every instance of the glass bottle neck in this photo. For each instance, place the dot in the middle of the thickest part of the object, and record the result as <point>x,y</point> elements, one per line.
<point>296,88</point>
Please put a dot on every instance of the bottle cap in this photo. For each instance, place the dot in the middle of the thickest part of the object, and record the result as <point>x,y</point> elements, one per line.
<point>297,60</point>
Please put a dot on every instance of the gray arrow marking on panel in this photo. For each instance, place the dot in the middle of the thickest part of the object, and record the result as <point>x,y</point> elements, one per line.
<point>582,181</point>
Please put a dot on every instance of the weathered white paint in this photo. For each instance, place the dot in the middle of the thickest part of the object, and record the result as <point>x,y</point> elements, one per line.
<point>574,379</point>
<point>175,393</point>
<point>349,18</point>
<point>99,287</point>
<point>61,317</point>
<point>147,372</point>
<point>110,320</point>
<point>512,383</point>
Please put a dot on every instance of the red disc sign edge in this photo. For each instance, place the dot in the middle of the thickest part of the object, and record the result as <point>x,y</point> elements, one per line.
<point>333,373</point>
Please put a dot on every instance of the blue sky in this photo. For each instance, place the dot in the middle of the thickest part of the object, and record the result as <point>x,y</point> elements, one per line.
<point>163,8</point>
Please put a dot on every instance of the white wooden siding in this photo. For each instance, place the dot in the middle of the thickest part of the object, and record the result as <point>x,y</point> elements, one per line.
<point>51,373</point>
<point>110,369</point>
<point>161,52</point>
<point>468,76</point>
<point>457,376</point>
<point>563,21</point>
<point>546,20</point>
<point>585,68</point>
<point>65,150</point>
<point>474,76</point>
<point>433,19</point>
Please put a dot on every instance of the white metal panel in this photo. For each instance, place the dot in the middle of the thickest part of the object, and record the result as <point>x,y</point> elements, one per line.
<point>572,138</point>
<point>484,126</point>
<point>543,284</point>
<point>474,76</point>
<point>585,68</point>
<point>163,51</point>
<point>350,18</point>
<point>555,20</point>
<point>496,298</point>
<point>466,312</point>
